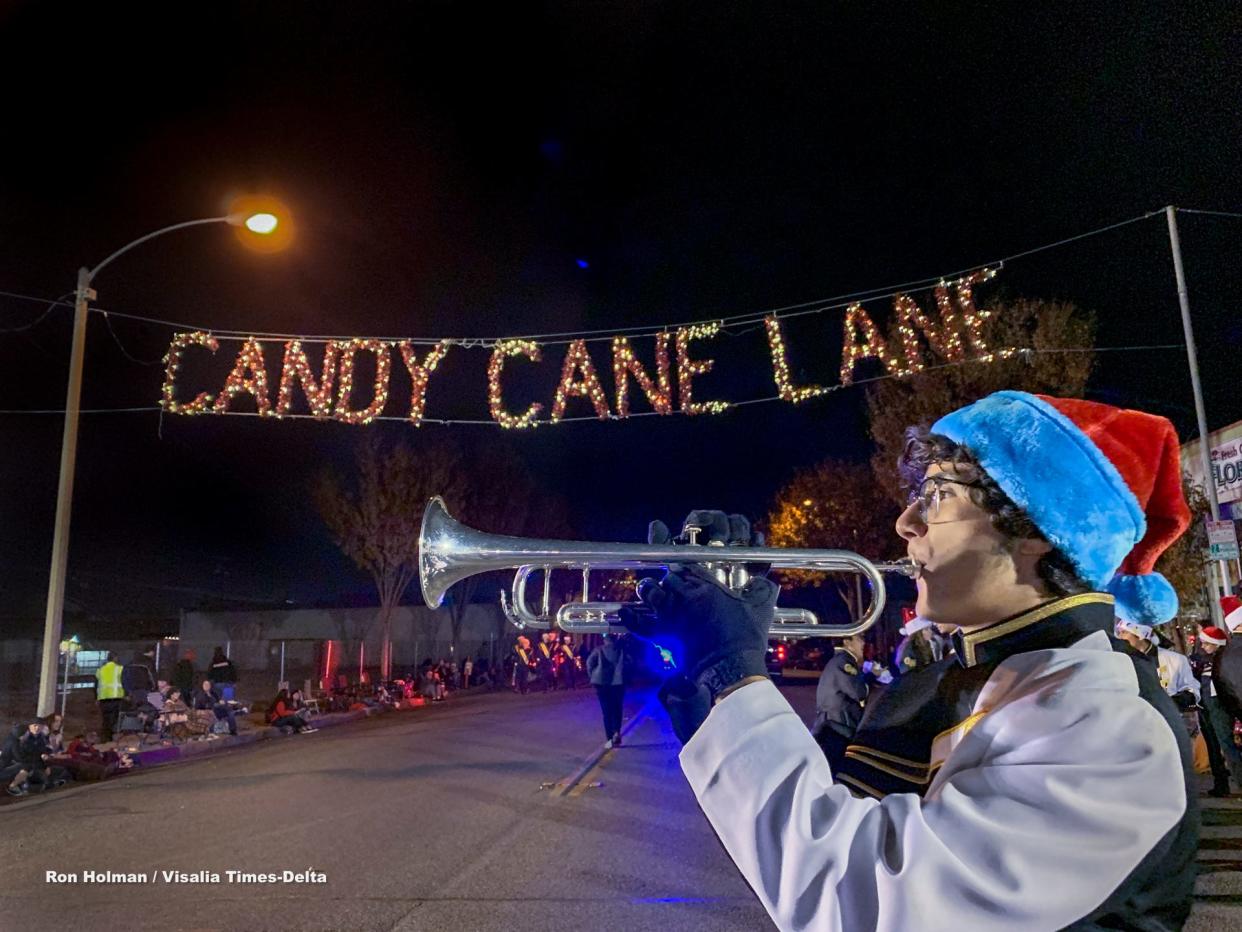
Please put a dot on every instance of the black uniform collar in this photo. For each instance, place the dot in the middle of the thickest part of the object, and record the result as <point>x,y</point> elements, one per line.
<point>1053,624</point>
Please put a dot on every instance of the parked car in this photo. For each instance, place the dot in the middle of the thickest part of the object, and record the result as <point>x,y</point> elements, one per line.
<point>778,654</point>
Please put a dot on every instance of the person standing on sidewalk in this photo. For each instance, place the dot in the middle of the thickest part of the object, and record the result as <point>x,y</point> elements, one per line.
<point>183,674</point>
<point>223,674</point>
<point>110,694</point>
<point>1203,663</point>
<point>608,668</point>
<point>1227,685</point>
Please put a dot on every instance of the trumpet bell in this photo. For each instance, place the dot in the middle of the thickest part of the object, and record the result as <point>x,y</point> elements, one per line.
<point>449,551</point>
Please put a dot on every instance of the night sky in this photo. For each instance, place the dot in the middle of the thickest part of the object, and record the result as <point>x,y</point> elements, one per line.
<point>452,166</point>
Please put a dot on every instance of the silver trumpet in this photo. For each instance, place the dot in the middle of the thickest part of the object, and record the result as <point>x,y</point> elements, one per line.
<point>449,551</point>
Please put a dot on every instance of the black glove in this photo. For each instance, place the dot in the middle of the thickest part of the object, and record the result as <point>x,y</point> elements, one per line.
<point>724,633</point>
<point>687,704</point>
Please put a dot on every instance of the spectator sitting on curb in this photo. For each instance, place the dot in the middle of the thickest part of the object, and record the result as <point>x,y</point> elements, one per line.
<point>175,717</point>
<point>297,706</point>
<point>55,733</point>
<point>87,762</point>
<point>11,770</point>
<point>282,715</point>
<point>32,754</point>
<point>208,698</point>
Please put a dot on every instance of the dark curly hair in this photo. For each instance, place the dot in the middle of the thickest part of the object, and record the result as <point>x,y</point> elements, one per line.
<point>924,448</point>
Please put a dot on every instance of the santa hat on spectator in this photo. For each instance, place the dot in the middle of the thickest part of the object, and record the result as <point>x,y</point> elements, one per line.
<point>1102,484</point>
<point>1213,635</point>
<point>1231,608</point>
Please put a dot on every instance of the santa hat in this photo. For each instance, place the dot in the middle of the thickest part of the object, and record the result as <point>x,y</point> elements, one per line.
<point>914,625</point>
<point>1213,635</point>
<point>1102,484</point>
<point>1231,608</point>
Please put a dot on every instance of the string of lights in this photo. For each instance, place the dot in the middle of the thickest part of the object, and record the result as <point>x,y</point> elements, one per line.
<point>818,306</point>
<point>205,406</point>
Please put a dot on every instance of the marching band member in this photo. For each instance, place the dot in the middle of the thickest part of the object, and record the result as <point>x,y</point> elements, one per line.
<point>545,664</point>
<point>567,661</point>
<point>916,647</point>
<point>839,698</point>
<point>1176,676</point>
<point>1040,779</point>
<point>523,664</point>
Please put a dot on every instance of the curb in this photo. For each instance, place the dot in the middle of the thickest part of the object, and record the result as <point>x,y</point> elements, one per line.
<point>162,756</point>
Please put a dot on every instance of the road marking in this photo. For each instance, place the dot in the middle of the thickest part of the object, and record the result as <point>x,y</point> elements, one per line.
<point>594,761</point>
<point>591,777</point>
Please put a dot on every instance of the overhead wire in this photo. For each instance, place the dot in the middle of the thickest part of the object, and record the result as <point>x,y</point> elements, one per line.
<point>817,306</point>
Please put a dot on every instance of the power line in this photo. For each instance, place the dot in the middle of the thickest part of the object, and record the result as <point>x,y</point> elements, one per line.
<point>52,305</point>
<point>817,306</point>
<point>1210,213</point>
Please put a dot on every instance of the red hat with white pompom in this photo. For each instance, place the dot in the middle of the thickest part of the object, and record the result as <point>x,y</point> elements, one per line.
<point>1213,635</point>
<point>1231,608</point>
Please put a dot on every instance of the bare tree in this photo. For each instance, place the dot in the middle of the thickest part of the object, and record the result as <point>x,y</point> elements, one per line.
<point>375,515</point>
<point>500,497</point>
<point>1185,565</point>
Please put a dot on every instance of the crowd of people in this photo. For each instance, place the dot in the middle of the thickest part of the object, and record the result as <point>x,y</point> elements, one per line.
<point>131,698</point>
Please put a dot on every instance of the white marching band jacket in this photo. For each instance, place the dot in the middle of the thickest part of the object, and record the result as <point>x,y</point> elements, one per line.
<point>1175,673</point>
<point>1062,789</point>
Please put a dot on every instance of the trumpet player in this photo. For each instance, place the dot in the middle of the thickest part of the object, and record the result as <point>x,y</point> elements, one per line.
<point>1037,780</point>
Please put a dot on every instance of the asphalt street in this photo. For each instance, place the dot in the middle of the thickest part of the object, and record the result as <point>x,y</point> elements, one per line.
<point>448,817</point>
<point>478,814</point>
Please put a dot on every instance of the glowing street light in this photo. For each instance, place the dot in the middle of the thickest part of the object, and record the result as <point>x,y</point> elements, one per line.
<point>251,216</point>
<point>261,223</point>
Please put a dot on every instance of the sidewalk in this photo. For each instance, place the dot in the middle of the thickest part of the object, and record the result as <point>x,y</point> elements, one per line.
<point>159,755</point>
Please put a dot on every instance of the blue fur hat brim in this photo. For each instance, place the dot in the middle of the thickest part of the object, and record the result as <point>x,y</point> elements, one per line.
<point>1051,470</point>
<point>1146,600</point>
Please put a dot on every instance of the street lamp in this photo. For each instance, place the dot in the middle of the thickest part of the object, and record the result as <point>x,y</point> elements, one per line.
<point>258,222</point>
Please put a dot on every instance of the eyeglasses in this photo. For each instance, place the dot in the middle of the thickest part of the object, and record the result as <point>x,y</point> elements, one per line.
<point>929,493</point>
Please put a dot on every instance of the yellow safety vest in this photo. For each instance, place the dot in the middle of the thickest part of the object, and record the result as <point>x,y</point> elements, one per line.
<point>109,682</point>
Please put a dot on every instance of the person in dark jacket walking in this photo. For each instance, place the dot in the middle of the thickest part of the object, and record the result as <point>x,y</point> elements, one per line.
<point>839,698</point>
<point>608,669</point>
